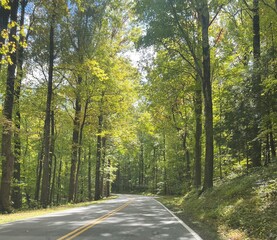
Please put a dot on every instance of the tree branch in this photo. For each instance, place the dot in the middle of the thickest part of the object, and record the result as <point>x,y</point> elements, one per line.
<point>268,5</point>
<point>220,7</point>
<point>247,5</point>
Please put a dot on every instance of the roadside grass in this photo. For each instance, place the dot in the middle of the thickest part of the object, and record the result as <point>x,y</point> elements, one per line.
<point>243,208</point>
<point>23,214</point>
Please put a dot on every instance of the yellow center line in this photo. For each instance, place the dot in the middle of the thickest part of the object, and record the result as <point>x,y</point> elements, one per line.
<point>87,226</point>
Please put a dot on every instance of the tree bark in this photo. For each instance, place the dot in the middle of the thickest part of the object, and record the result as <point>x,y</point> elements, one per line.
<point>59,183</point>
<point>108,185</point>
<point>198,134</point>
<point>6,151</point>
<point>165,167</point>
<point>141,165</point>
<point>80,149</point>
<point>97,194</point>
<point>272,145</point>
<point>16,192</point>
<point>75,143</point>
<point>45,187</point>
<point>103,163</point>
<point>256,86</point>
<point>52,174</point>
<point>39,172</point>
<point>89,175</point>
<point>187,159</point>
<point>207,92</point>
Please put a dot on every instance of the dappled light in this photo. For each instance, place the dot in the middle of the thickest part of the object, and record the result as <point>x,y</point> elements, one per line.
<point>162,98</point>
<point>143,217</point>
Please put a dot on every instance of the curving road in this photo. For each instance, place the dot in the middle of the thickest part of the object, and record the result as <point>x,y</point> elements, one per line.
<point>129,217</point>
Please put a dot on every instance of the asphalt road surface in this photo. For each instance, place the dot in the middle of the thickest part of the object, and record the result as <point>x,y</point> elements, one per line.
<point>129,217</point>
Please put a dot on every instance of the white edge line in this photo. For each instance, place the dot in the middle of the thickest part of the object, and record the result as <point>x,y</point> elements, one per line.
<point>197,237</point>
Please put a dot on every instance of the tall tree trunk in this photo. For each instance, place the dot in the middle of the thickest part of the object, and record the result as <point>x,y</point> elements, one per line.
<point>141,165</point>
<point>155,175</point>
<point>165,167</point>
<point>207,92</point>
<point>272,145</point>
<point>97,194</point>
<point>198,134</point>
<point>6,151</point>
<point>108,184</point>
<point>59,183</point>
<point>103,163</point>
<point>39,172</point>
<point>89,175</point>
<point>53,158</point>
<point>187,159</point>
<point>45,187</point>
<point>16,192</point>
<point>75,143</point>
<point>80,150</point>
<point>256,86</point>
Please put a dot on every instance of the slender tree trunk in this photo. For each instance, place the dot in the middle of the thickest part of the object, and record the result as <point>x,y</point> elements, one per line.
<point>103,163</point>
<point>187,159</point>
<point>89,175</point>
<point>97,194</point>
<point>155,175</point>
<point>53,158</point>
<point>53,183</point>
<point>256,85</point>
<point>80,150</point>
<point>39,172</point>
<point>272,145</point>
<point>165,167</point>
<point>267,151</point>
<point>45,187</point>
<point>141,165</point>
<point>75,143</point>
<point>108,185</point>
<point>16,192</point>
<point>207,92</point>
<point>59,183</point>
<point>198,134</point>
<point>6,151</point>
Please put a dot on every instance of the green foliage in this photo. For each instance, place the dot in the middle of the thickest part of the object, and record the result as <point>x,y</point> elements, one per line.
<point>243,207</point>
<point>149,118</point>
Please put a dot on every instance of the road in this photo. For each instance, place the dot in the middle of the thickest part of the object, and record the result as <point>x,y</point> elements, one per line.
<point>129,217</point>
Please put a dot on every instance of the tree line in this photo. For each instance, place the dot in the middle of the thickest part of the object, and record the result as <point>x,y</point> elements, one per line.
<point>68,89</point>
<point>78,119</point>
<point>209,94</point>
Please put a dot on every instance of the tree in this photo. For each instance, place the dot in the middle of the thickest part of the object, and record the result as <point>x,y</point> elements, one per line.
<point>6,150</point>
<point>203,12</point>
<point>45,188</point>
<point>16,192</point>
<point>176,34</point>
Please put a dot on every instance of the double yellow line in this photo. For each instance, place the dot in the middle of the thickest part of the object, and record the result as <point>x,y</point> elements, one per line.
<point>84,228</point>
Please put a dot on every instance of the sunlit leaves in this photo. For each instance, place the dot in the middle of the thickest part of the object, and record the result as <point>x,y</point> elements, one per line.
<point>5,4</point>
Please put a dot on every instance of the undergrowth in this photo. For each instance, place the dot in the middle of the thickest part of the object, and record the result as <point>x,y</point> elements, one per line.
<point>238,209</point>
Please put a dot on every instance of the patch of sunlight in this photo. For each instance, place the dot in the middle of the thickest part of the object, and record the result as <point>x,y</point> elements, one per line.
<point>230,209</point>
<point>232,234</point>
<point>21,215</point>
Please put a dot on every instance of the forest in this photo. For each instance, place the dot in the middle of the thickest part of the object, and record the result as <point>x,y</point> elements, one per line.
<point>149,96</point>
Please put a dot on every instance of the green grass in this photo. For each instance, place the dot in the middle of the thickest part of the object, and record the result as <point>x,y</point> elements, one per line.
<point>238,209</point>
<point>20,215</point>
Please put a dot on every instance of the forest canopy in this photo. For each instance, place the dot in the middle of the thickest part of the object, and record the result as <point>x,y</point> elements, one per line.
<point>80,119</point>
